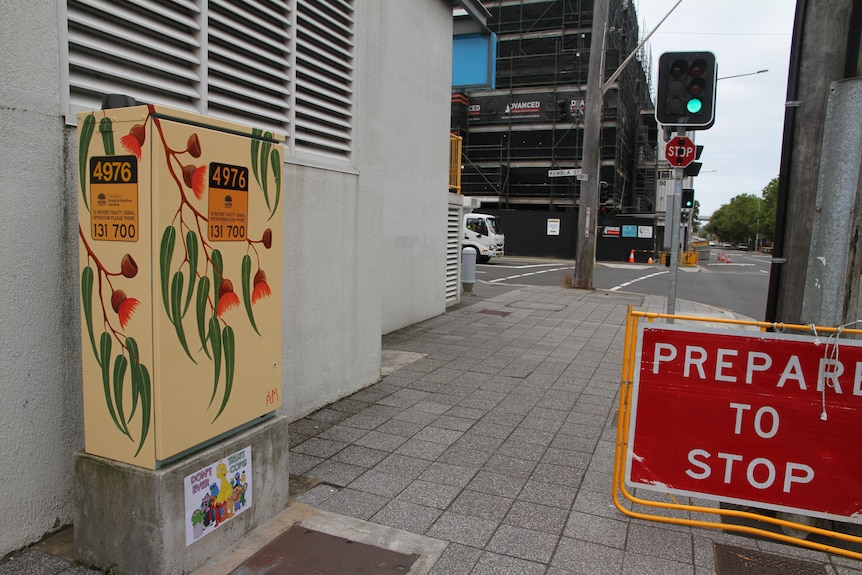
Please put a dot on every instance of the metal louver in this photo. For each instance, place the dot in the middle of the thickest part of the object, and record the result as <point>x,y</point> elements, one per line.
<point>324,77</point>
<point>453,253</point>
<point>248,76</point>
<point>146,49</point>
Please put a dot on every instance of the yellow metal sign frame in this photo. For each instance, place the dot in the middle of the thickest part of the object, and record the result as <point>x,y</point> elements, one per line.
<point>664,512</point>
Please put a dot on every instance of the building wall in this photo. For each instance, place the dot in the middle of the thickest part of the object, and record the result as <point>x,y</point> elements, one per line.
<point>415,59</point>
<point>40,414</point>
<point>364,248</point>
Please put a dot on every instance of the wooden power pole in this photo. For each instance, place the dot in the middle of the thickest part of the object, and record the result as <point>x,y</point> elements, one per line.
<point>589,188</point>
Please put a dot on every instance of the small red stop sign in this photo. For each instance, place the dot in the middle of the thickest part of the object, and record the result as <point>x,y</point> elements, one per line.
<point>679,152</point>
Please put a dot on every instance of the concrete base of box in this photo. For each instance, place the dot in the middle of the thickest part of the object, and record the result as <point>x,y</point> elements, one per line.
<point>134,518</point>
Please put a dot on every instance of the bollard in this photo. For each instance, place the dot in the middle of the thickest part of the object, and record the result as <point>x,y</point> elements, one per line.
<point>468,268</point>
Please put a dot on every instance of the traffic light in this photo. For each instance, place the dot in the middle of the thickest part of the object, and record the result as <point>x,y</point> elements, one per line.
<point>604,192</point>
<point>687,198</point>
<point>686,90</point>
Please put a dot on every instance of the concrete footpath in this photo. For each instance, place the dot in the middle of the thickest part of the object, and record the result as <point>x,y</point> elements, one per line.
<point>487,449</point>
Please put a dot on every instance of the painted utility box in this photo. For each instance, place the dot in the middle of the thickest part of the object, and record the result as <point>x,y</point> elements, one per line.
<point>181,268</point>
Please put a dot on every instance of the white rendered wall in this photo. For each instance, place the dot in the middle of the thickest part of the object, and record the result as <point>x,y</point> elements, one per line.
<point>40,412</point>
<point>415,65</point>
<point>364,252</point>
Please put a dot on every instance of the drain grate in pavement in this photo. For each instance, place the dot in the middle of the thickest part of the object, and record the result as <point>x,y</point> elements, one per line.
<point>731,560</point>
<point>301,550</point>
<point>494,312</point>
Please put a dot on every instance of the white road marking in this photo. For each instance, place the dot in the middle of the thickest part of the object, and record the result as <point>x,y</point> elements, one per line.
<point>615,288</point>
<point>528,274</point>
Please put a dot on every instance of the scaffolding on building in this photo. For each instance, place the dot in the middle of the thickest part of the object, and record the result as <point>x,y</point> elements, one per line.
<point>533,121</point>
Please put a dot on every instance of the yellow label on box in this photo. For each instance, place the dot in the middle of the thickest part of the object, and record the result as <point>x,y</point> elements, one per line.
<point>114,198</point>
<point>228,202</point>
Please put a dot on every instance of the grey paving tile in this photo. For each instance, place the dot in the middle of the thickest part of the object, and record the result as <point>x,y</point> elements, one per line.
<point>317,495</point>
<point>417,416</point>
<point>498,564</point>
<point>456,560</point>
<point>523,543</point>
<point>378,483</point>
<point>566,457</point>
<point>537,517</point>
<point>447,474</point>
<point>353,503</point>
<point>301,463</point>
<point>497,484</point>
<point>635,564</point>
<point>400,428</point>
<point>464,529</point>
<point>342,433</point>
<point>307,427</point>
<point>406,515</point>
<point>454,423</point>
<point>596,503</point>
<point>559,474</point>
<point>510,465</point>
<point>404,398</point>
<point>402,465</point>
<point>421,449</point>
<point>380,441</point>
<point>335,472</point>
<point>359,455</point>
<point>438,403</point>
<point>482,505</point>
<point>430,494</point>
<point>659,542</point>
<point>327,416</point>
<point>597,529</point>
<point>522,449</point>
<point>364,421</point>
<point>320,447</point>
<point>585,558</point>
<point>550,494</point>
<point>486,427</point>
<point>439,435</point>
<point>464,457</point>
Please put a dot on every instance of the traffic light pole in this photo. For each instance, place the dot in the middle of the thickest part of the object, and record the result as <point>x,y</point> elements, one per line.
<point>675,211</point>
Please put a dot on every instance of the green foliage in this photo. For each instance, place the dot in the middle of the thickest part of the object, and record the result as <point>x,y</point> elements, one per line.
<point>746,218</point>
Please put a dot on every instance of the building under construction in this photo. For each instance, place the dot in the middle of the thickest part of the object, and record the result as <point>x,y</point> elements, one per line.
<point>533,122</point>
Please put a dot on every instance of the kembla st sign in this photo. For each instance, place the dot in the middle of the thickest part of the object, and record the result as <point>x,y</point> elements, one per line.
<point>767,420</point>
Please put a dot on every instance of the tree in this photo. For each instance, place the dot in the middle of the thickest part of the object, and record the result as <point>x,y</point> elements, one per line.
<point>695,213</point>
<point>767,210</point>
<point>736,222</point>
<point>747,218</point>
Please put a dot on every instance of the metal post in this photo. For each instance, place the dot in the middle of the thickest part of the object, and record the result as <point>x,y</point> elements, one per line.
<point>676,204</point>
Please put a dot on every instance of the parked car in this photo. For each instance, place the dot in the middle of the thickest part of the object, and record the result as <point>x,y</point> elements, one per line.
<point>742,247</point>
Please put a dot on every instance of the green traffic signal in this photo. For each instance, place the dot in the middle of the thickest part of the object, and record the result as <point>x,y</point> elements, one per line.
<point>687,198</point>
<point>686,90</point>
<point>694,106</point>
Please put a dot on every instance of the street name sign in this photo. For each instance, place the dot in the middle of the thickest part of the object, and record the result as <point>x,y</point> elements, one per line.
<point>680,151</point>
<point>564,172</point>
<point>762,419</point>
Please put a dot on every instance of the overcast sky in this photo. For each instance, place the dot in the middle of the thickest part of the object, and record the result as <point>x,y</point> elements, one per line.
<point>742,151</point>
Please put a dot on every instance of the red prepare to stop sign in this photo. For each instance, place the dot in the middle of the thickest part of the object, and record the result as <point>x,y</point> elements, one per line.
<point>680,151</point>
<point>767,420</point>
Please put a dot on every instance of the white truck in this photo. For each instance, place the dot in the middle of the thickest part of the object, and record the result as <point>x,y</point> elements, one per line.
<point>483,232</point>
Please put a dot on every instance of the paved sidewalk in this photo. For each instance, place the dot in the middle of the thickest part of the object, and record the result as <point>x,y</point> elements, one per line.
<point>499,440</point>
<point>487,449</point>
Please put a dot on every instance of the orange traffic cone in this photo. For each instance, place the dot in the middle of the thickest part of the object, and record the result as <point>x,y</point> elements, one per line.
<point>721,257</point>
<point>632,257</point>
<point>727,259</point>
<point>649,261</point>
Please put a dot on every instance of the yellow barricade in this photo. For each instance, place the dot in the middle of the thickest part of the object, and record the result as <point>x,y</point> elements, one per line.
<point>673,511</point>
